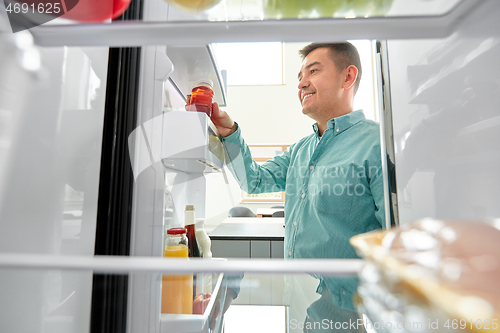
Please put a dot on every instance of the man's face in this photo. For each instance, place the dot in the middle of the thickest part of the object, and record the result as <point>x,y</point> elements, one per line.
<point>320,84</point>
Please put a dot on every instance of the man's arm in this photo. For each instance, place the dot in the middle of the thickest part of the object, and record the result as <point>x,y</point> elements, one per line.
<point>252,177</point>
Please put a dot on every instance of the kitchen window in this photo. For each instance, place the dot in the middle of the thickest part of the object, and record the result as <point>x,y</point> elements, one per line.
<point>251,63</point>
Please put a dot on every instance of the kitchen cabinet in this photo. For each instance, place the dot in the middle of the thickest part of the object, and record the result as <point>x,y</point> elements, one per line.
<point>249,238</point>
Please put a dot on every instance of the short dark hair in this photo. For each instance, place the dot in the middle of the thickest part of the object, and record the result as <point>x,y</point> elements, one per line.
<point>343,55</point>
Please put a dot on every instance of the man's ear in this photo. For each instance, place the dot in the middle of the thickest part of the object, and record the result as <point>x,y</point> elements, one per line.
<point>351,74</point>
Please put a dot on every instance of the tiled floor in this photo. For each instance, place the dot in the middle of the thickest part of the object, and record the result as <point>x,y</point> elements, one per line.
<point>255,318</point>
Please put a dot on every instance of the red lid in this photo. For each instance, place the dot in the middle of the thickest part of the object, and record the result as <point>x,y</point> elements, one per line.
<point>176,231</point>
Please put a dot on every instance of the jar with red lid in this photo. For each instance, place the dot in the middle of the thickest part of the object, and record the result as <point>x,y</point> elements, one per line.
<point>202,97</point>
<point>176,243</point>
<point>177,290</point>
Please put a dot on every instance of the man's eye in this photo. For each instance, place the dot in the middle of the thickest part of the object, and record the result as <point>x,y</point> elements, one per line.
<point>313,70</point>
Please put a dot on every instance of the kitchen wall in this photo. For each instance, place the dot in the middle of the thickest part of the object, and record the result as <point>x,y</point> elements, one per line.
<point>271,114</point>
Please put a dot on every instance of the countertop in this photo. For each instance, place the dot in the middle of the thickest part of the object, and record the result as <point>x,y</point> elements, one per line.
<point>245,228</point>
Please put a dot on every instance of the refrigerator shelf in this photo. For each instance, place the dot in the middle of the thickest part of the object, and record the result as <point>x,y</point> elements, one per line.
<point>181,140</point>
<point>192,63</point>
<point>198,148</point>
<point>189,32</point>
<point>124,264</point>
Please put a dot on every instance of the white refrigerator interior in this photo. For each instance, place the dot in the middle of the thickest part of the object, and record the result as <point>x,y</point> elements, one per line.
<point>51,116</point>
<point>446,116</point>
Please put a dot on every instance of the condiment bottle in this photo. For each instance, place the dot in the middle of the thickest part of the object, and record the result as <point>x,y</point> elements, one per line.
<point>177,290</point>
<point>202,97</point>
<point>194,250</point>
<point>189,222</point>
<point>205,244</point>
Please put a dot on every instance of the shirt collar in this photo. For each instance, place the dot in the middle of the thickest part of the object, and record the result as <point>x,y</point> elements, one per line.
<point>340,124</point>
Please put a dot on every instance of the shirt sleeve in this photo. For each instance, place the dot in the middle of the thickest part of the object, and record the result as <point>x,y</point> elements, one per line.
<point>377,190</point>
<point>233,283</point>
<point>252,177</point>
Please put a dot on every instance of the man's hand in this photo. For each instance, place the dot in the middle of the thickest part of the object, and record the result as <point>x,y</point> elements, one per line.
<point>224,124</point>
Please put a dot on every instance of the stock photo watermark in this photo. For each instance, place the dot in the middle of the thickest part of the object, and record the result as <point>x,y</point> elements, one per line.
<point>347,180</point>
<point>27,14</point>
<point>328,324</point>
<point>416,326</point>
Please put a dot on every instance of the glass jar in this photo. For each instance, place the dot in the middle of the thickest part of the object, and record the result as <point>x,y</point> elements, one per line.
<point>202,97</point>
<point>177,290</point>
<point>176,244</point>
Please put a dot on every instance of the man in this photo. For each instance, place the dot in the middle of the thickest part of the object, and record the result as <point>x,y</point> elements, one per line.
<point>332,178</point>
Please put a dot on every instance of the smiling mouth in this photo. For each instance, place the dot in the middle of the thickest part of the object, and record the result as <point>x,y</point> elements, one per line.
<point>306,96</point>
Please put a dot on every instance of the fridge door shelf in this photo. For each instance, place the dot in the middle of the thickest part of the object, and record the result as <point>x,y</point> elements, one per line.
<point>192,63</point>
<point>190,143</point>
<point>186,323</point>
<point>179,140</point>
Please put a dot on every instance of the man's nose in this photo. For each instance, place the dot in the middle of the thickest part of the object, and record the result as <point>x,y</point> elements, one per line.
<point>303,83</point>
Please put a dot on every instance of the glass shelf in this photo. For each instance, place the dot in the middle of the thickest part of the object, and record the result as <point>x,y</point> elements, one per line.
<point>257,10</point>
<point>353,294</point>
<point>248,22</point>
<point>245,10</point>
<point>264,20</point>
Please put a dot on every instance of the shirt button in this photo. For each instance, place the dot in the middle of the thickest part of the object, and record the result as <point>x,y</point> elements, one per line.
<point>294,223</point>
<point>311,167</point>
<point>289,253</point>
<point>337,129</point>
<point>303,195</point>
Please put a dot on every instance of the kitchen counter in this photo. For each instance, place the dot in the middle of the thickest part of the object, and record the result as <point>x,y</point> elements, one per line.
<point>254,220</point>
<point>247,237</point>
<point>251,238</point>
<point>249,230</point>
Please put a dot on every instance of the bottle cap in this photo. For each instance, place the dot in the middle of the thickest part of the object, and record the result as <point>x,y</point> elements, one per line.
<point>189,215</point>
<point>176,231</point>
<point>206,81</point>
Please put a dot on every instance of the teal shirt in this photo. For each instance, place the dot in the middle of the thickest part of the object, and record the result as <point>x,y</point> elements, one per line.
<point>333,189</point>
